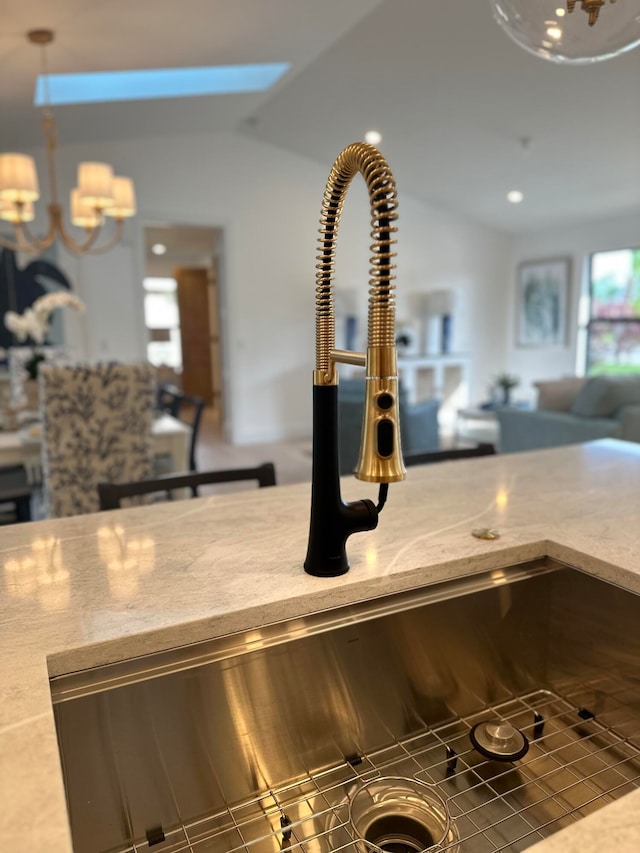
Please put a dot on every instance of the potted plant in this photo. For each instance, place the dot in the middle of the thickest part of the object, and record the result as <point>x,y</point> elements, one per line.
<point>505,382</point>
<point>32,327</point>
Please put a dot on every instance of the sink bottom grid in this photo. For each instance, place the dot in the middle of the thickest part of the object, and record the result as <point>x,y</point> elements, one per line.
<point>576,763</point>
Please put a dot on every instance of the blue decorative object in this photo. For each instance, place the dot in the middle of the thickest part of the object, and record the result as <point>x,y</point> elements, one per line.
<point>447,332</point>
<point>352,332</point>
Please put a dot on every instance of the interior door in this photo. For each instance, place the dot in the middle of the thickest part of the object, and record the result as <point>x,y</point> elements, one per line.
<point>195,331</point>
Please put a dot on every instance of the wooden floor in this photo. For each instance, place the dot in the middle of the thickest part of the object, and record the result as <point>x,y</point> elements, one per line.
<point>292,459</point>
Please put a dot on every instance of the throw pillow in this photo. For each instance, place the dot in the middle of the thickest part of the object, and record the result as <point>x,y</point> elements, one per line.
<point>602,396</point>
<point>557,395</point>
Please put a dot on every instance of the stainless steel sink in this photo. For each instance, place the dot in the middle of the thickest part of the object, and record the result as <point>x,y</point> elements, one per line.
<point>315,734</point>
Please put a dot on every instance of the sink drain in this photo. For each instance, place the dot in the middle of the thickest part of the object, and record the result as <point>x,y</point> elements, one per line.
<point>399,834</point>
<point>397,815</point>
<point>499,740</point>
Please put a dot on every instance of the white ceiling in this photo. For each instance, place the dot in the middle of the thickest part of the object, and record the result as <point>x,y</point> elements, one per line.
<point>452,95</point>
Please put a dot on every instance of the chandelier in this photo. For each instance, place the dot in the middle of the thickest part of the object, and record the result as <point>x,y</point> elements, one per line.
<point>548,28</point>
<point>591,7</point>
<point>100,194</point>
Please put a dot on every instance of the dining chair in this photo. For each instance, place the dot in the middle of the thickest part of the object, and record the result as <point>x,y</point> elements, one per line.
<point>96,428</point>
<point>15,495</point>
<point>110,494</point>
<point>186,408</point>
<point>483,449</point>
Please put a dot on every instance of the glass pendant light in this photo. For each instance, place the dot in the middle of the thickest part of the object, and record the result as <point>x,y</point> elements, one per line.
<point>571,31</point>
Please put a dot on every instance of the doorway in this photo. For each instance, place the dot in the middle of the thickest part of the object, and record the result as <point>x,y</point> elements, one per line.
<point>183,311</point>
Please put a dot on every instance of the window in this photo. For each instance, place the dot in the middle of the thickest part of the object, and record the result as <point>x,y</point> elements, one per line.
<point>162,319</point>
<point>613,327</point>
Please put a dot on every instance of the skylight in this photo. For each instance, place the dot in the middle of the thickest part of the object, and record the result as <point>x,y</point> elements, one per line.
<point>102,86</point>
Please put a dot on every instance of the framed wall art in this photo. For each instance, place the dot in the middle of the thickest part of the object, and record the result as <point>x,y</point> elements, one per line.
<point>542,299</point>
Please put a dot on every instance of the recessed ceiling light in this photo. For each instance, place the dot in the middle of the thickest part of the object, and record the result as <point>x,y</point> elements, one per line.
<point>560,13</point>
<point>148,84</point>
<point>159,249</point>
<point>515,196</point>
<point>554,33</point>
<point>373,137</point>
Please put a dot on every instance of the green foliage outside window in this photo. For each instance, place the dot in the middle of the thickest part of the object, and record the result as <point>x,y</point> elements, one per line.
<point>614,324</point>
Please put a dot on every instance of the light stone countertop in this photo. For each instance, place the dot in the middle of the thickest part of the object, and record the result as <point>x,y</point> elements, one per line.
<point>99,588</point>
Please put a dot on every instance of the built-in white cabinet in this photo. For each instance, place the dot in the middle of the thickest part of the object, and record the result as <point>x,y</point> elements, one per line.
<point>443,376</point>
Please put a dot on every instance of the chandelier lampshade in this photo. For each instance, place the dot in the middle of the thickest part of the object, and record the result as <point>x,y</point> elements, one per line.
<point>124,198</point>
<point>95,182</point>
<point>571,32</point>
<point>18,178</point>
<point>23,212</point>
<point>83,215</point>
<point>100,194</point>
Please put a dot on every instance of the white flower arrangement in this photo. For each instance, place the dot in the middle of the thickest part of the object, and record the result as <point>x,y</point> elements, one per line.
<point>34,323</point>
<point>25,326</point>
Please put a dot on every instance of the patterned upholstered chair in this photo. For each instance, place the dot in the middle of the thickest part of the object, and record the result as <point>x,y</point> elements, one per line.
<point>96,428</point>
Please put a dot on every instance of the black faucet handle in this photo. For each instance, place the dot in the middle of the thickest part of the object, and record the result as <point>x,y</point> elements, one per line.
<point>331,526</point>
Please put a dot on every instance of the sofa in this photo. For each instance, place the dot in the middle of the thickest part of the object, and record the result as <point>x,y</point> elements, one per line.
<point>419,431</point>
<point>574,410</point>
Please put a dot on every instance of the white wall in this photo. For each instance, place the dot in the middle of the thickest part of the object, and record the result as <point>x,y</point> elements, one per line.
<point>110,329</point>
<point>267,201</point>
<point>576,242</point>
<point>442,251</point>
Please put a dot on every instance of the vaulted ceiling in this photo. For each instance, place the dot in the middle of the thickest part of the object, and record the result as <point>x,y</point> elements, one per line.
<point>452,96</point>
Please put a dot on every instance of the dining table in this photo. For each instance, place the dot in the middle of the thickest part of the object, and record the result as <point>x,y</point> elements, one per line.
<point>171,438</point>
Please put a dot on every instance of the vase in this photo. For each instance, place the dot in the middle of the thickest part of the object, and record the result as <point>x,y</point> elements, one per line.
<point>506,396</point>
<point>447,333</point>
<point>433,335</point>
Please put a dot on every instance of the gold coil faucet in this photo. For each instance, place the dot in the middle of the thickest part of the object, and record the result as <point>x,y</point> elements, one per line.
<point>380,458</point>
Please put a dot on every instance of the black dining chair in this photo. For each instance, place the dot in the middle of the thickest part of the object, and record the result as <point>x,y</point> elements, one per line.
<point>110,494</point>
<point>186,408</point>
<point>447,455</point>
<point>15,495</point>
